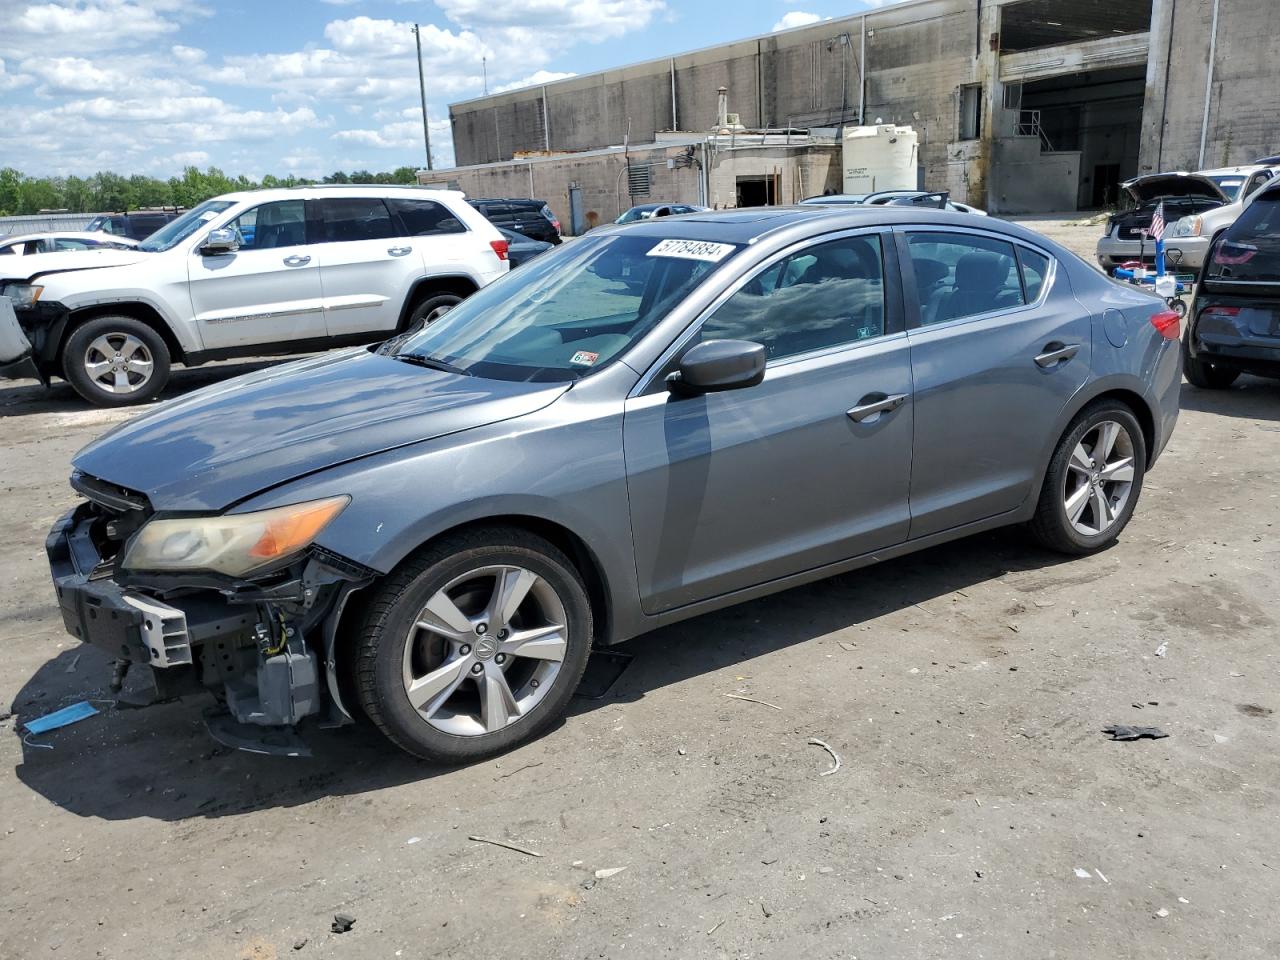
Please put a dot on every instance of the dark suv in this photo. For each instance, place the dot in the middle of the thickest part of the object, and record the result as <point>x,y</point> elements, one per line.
<point>135,226</point>
<point>532,218</point>
<point>1235,322</point>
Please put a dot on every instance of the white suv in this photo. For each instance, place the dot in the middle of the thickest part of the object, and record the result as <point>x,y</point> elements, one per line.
<point>248,274</point>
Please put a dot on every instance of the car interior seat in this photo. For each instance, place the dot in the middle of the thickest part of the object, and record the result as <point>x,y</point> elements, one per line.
<point>979,287</point>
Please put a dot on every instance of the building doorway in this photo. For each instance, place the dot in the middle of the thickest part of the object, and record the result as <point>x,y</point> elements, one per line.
<point>759,191</point>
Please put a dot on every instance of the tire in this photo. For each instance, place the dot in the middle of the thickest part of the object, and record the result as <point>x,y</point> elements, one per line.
<point>406,644</point>
<point>1206,376</point>
<point>115,361</point>
<point>431,310</point>
<point>1070,476</point>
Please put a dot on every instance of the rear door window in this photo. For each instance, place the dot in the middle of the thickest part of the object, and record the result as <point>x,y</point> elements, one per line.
<point>1250,249</point>
<point>963,275</point>
<point>343,219</point>
<point>423,218</point>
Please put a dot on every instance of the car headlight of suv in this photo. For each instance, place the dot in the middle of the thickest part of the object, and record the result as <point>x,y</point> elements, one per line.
<point>234,544</point>
<point>1187,227</point>
<point>22,294</point>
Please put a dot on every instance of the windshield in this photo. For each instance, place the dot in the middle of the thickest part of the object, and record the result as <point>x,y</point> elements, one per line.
<point>567,313</point>
<point>1230,185</point>
<point>1250,251</point>
<point>175,231</point>
<point>636,213</point>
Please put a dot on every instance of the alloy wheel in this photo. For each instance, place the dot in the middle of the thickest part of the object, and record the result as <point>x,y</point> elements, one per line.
<point>1099,478</point>
<point>485,650</point>
<point>119,363</point>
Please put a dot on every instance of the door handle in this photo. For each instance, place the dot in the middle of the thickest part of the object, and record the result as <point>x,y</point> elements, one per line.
<point>1056,352</point>
<point>869,408</point>
<point>297,260</point>
<point>399,251</point>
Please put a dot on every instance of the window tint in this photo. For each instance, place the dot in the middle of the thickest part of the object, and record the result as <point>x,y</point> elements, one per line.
<point>31,246</point>
<point>1250,250</point>
<point>62,243</point>
<point>279,224</point>
<point>826,295</point>
<point>10,249</point>
<point>354,218</point>
<point>423,218</point>
<point>962,275</point>
<point>1034,268</point>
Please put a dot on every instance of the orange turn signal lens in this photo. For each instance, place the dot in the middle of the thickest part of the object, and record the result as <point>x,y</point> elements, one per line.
<point>289,529</point>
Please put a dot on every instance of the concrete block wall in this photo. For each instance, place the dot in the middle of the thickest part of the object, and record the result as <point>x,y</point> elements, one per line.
<point>1243,121</point>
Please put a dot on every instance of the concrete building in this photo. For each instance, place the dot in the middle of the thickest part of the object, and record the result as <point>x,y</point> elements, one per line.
<point>1020,106</point>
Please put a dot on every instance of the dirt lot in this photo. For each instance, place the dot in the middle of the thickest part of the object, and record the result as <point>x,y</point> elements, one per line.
<point>978,813</point>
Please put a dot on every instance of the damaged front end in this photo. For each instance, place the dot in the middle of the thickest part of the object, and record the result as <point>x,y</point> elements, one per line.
<point>262,641</point>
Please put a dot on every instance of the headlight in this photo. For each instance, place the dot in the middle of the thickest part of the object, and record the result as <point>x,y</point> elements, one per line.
<point>1186,227</point>
<point>234,544</point>
<point>22,294</point>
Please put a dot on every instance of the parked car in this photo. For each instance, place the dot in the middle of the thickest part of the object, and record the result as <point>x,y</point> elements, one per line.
<point>27,244</point>
<point>1189,238</point>
<point>522,249</point>
<point>250,274</point>
<point>1183,195</point>
<point>438,532</point>
<point>1235,316</point>
<point>532,218</point>
<point>648,211</point>
<point>135,226</point>
<point>915,198</point>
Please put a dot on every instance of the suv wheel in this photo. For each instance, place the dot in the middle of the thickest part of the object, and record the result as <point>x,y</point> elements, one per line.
<point>1093,481</point>
<point>474,646</point>
<point>1206,376</point>
<point>115,361</point>
<point>432,309</point>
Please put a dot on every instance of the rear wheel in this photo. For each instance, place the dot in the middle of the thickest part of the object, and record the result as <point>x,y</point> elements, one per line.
<point>1206,376</point>
<point>432,309</point>
<point>1093,481</point>
<point>475,646</point>
<point>114,361</point>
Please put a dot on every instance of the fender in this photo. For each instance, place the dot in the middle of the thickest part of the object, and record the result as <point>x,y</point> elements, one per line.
<point>456,279</point>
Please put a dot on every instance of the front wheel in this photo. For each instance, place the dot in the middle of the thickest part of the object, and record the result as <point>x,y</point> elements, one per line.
<point>474,646</point>
<point>1093,481</point>
<point>115,361</point>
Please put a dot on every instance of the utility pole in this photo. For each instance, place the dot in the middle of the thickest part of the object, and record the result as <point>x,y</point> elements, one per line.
<point>484,69</point>
<point>422,88</point>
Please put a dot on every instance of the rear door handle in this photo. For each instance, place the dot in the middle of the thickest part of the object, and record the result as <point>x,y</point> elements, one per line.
<point>1056,352</point>
<point>297,260</point>
<point>399,251</point>
<point>872,405</point>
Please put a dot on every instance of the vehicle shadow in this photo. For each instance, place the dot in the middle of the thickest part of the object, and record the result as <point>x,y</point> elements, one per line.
<point>1250,398</point>
<point>160,763</point>
<point>24,398</point>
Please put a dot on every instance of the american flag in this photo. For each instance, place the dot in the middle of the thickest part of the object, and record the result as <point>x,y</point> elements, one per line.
<point>1156,232</point>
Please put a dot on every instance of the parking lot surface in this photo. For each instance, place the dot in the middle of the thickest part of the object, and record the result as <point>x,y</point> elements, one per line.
<point>978,810</point>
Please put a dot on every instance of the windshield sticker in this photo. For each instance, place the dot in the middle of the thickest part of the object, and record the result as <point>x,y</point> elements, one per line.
<point>584,358</point>
<point>692,250</point>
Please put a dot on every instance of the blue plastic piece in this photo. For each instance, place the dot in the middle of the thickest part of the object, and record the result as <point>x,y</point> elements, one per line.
<point>61,718</point>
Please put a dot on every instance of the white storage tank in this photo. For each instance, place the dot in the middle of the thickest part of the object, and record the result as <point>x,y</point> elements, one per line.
<point>882,157</point>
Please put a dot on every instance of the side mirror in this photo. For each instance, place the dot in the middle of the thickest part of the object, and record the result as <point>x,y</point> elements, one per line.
<point>718,365</point>
<point>222,240</point>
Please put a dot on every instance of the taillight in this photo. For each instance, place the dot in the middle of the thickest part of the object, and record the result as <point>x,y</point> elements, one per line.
<point>1166,321</point>
<point>500,248</point>
<point>556,224</point>
<point>1220,312</point>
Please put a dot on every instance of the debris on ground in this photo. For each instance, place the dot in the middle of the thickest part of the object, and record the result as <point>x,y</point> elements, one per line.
<point>818,743</point>
<point>75,661</point>
<point>765,910</point>
<point>1083,874</point>
<point>763,703</point>
<point>715,928</point>
<point>56,720</point>
<point>299,943</point>
<point>510,846</point>
<point>1120,731</point>
<point>1162,913</point>
<point>1101,876</point>
<point>1163,649</point>
<point>342,922</point>
<point>608,872</point>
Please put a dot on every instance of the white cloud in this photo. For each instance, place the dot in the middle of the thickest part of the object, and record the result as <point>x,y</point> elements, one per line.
<point>92,24</point>
<point>535,79</point>
<point>191,158</point>
<point>11,81</point>
<point>590,19</point>
<point>77,75</point>
<point>795,18</point>
<point>188,56</point>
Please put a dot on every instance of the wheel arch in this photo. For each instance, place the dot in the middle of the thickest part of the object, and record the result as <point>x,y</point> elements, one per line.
<point>459,284</point>
<point>134,310</point>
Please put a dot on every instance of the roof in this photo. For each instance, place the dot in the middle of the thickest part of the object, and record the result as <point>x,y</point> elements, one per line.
<point>323,189</point>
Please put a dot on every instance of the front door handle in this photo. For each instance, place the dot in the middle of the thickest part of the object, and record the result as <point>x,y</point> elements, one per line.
<point>297,260</point>
<point>399,251</point>
<point>872,405</point>
<point>1057,352</point>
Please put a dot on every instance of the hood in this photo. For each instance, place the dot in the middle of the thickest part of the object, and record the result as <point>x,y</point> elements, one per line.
<point>219,445</point>
<point>41,264</point>
<point>1161,186</point>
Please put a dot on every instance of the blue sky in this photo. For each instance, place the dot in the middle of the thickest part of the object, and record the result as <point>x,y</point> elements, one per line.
<point>309,86</point>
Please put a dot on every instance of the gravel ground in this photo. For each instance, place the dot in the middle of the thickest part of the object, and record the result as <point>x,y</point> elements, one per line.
<point>978,811</point>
